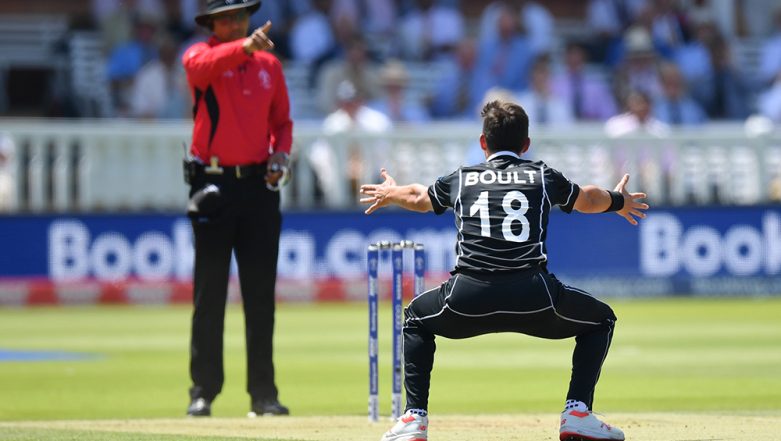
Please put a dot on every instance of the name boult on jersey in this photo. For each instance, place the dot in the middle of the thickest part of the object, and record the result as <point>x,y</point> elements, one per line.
<point>499,177</point>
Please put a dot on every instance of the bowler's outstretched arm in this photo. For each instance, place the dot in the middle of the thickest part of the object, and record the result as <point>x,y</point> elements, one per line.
<point>593,199</point>
<point>413,197</point>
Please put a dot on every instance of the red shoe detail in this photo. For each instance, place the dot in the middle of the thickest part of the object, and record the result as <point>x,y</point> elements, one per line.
<point>566,435</point>
<point>408,419</point>
<point>422,428</point>
<point>579,414</point>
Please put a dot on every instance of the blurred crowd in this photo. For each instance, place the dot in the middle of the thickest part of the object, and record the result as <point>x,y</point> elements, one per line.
<point>627,66</point>
<point>676,56</point>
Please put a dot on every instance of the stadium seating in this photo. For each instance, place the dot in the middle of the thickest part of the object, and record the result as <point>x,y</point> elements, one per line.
<point>88,74</point>
<point>30,41</point>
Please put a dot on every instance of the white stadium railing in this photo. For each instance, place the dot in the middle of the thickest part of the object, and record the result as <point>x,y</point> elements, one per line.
<point>116,165</point>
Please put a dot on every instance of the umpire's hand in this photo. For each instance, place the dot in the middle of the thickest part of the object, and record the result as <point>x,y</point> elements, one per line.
<point>258,40</point>
<point>276,168</point>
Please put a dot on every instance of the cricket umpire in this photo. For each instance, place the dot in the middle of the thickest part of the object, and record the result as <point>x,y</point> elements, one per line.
<point>501,282</point>
<point>242,137</point>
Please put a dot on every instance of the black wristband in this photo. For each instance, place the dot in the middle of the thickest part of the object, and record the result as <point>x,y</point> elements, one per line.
<point>616,201</point>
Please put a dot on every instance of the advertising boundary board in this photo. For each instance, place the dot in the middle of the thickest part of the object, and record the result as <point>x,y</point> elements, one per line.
<point>147,258</point>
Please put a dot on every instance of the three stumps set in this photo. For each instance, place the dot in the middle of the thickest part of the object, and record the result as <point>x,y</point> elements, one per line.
<point>397,260</point>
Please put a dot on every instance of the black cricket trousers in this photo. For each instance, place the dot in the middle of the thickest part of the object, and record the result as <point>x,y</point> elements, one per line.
<point>532,302</point>
<point>247,222</point>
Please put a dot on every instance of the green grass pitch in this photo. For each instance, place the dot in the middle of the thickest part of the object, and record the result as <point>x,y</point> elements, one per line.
<point>668,355</point>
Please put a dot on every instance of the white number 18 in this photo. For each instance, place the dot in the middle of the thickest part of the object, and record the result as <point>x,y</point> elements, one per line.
<point>513,214</point>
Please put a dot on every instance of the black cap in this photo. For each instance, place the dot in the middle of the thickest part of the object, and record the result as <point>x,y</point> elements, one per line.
<point>217,6</point>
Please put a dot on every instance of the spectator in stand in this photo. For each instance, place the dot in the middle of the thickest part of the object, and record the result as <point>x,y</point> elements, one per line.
<point>373,17</point>
<point>454,96</point>
<point>693,58</point>
<point>719,87</point>
<point>7,174</point>
<point>312,37</point>
<point>504,61</point>
<point>343,32</point>
<point>770,62</point>
<point>536,21</point>
<point>543,107</point>
<point>725,93</point>
<point>756,16</point>
<point>653,159</point>
<point>588,92</point>
<point>127,59</point>
<point>395,102</point>
<point>351,116</point>
<point>769,102</point>
<point>354,114</point>
<point>637,118</point>
<point>676,107</point>
<point>315,40</point>
<point>725,14</point>
<point>430,31</point>
<point>159,90</point>
<point>116,18</point>
<point>607,21</point>
<point>356,67</point>
<point>669,26</point>
<point>639,70</point>
<point>539,26</point>
<point>376,20</point>
<point>188,9</point>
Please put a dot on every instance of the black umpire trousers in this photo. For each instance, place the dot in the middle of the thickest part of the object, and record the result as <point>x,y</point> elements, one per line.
<point>247,222</point>
<point>532,302</point>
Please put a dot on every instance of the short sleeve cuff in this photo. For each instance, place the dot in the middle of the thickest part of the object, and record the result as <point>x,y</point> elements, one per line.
<point>438,208</point>
<point>570,204</point>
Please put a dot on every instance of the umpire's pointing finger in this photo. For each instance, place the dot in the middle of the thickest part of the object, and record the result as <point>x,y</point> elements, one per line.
<point>266,27</point>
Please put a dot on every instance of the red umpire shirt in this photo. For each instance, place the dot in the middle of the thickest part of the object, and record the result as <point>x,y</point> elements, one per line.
<point>241,108</point>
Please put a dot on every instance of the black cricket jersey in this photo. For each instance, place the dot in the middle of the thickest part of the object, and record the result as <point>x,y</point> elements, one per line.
<point>501,211</point>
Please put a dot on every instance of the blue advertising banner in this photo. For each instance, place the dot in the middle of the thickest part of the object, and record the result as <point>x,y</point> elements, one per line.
<point>714,251</point>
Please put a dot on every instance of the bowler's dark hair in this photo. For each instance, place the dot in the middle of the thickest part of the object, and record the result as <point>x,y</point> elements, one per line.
<point>505,126</point>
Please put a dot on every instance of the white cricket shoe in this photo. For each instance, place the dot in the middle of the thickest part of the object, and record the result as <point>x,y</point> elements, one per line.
<point>578,425</point>
<point>409,427</point>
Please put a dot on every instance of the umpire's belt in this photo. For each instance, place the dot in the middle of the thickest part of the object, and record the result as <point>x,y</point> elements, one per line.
<point>232,171</point>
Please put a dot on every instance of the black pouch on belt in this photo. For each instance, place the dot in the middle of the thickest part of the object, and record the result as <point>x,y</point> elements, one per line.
<point>190,169</point>
<point>205,204</point>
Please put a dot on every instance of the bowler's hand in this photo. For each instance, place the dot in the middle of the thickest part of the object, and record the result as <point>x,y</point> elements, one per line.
<point>275,168</point>
<point>632,208</point>
<point>378,193</point>
<point>258,40</point>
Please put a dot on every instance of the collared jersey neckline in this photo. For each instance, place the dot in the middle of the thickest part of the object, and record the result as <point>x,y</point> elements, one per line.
<point>503,153</point>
